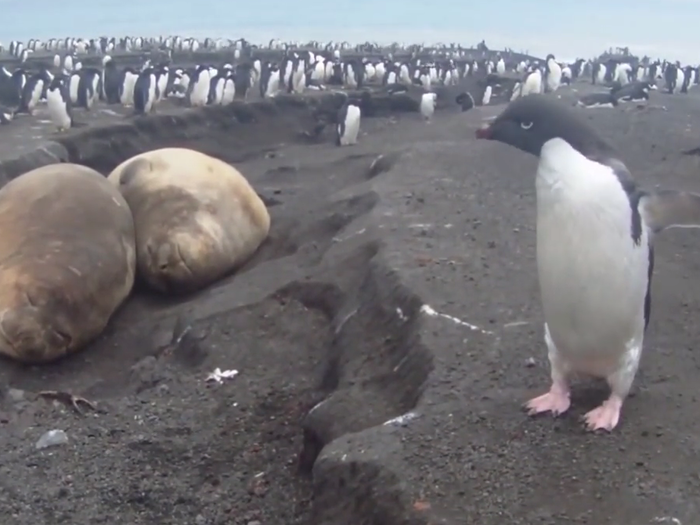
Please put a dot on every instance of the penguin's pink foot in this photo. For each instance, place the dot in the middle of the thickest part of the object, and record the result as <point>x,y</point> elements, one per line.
<point>606,416</point>
<point>555,401</point>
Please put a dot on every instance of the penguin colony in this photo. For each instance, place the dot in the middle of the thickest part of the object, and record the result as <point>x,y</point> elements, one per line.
<point>530,123</point>
<point>52,73</point>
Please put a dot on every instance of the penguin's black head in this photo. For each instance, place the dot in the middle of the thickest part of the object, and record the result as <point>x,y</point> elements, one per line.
<point>529,122</point>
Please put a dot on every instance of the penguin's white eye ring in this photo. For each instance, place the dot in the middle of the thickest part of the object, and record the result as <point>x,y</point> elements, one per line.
<point>526,125</point>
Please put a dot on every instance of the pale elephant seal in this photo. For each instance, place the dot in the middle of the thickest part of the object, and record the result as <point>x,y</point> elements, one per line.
<point>67,260</point>
<point>197,218</point>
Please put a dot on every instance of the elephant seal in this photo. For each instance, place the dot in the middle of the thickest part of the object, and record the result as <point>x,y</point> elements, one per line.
<point>197,218</point>
<point>67,260</point>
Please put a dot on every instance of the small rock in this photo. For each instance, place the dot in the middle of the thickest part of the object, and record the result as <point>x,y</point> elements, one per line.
<point>254,523</point>
<point>200,520</point>
<point>52,438</point>
<point>530,362</point>
<point>16,394</point>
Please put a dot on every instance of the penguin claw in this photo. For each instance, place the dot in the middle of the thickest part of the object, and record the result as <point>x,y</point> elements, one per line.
<point>606,416</point>
<point>555,401</point>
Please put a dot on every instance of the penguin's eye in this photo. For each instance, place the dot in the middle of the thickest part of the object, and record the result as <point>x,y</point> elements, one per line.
<point>526,125</point>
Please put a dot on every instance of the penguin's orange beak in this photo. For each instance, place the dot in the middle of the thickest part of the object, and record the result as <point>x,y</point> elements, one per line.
<point>484,132</point>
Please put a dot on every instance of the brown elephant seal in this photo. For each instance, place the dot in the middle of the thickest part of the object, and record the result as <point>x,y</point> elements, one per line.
<point>67,260</point>
<point>197,218</point>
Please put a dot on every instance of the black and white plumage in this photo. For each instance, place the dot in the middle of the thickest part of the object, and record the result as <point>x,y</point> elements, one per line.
<point>595,228</point>
<point>59,103</point>
<point>427,105</point>
<point>633,92</point>
<point>31,93</point>
<point>598,100</point>
<point>348,127</point>
<point>88,88</point>
<point>465,101</point>
<point>145,92</point>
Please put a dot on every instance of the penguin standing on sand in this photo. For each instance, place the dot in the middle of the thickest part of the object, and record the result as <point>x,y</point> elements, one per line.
<point>88,88</point>
<point>427,105</point>
<point>595,258</point>
<point>31,93</point>
<point>552,74</point>
<point>199,87</point>
<point>348,126</point>
<point>59,104</point>
<point>532,83</point>
<point>145,92</point>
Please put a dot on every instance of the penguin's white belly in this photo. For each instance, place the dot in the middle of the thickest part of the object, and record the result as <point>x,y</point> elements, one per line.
<point>593,277</point>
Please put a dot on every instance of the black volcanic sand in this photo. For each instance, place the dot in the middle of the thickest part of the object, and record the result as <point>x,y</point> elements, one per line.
<point>330,309</point>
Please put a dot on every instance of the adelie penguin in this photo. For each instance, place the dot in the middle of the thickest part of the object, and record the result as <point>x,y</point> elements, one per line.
<point>88,88</point>
<point>595,227</point>
<point>348,127</point>
<point>633,92</point>
<point>59,104</point>
<point>31,93</point>
<point>145,92</point>
<point>427,106</point>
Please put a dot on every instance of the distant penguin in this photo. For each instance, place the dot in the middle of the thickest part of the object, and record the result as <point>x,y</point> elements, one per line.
<point>110,83</point>
<point>622,73</point>
<point>31,93</point>
<point>486,97</point>
<point>73,85</point>
<point>532,84</point>
<point>59,104</point>
<point>348,127</point>
<point>598,73</point>
<point>199,87</point>
<point>427,105</point>
<point>162,76</point>
<point>216,88</point>
<point>465,101</point>
<point>68,63</point>
<point>145,92</point>
<point>566,75</point>
<point>270,81</point>
<point>229,89</point>
<point>126,87</point>
<point>500,66</point>
<point>552,74</point>
<point>88,88</point>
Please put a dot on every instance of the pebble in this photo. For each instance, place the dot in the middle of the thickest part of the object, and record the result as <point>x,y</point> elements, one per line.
<point>16,394</point>
<point>200,520</point>
<point>52,438</point>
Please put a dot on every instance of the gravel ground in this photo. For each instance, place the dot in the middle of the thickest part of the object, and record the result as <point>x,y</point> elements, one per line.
<point>331,309</point>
